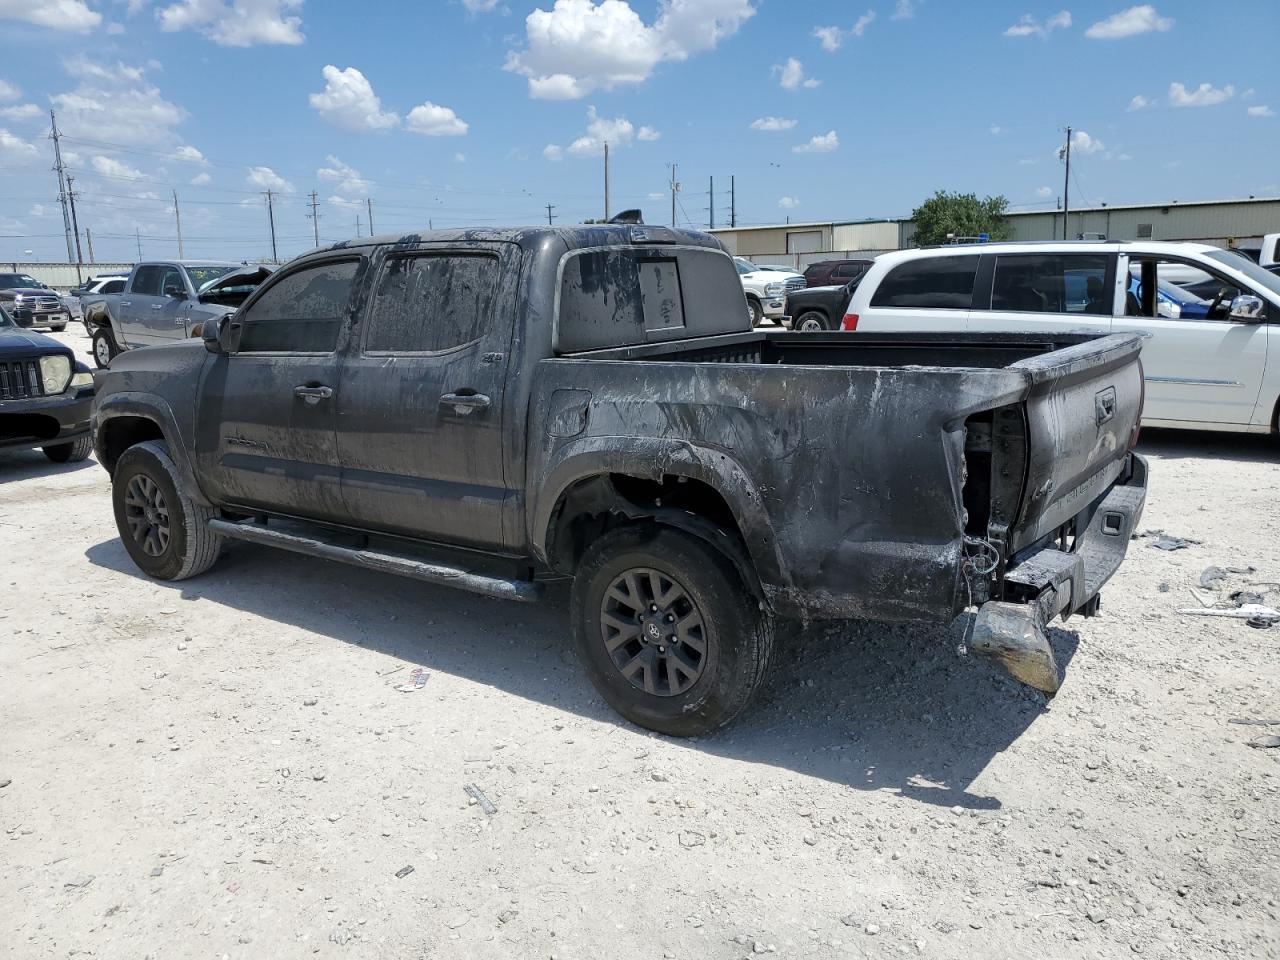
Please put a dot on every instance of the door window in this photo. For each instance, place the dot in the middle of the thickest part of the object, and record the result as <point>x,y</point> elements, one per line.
<point>112,286</point>
<point>301,312</point>
<point>427,304</point>
<point>146,281</point>
<point>171,282</point>
<point>930,283</point>
<point>1174,290</point>
<point>1052,283</point>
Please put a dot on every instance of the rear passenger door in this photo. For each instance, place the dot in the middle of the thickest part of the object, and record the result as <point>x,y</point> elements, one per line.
<point>1044,292</point>
<point>421,410</point>
<point>933,293</point>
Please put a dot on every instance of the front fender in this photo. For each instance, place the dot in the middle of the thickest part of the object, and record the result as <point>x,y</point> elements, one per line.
<point>157,410</point>
<point>652,459</point>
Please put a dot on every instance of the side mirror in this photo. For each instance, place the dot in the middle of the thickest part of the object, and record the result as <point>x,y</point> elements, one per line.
<point>211,333</point>
<point>1246,308</point>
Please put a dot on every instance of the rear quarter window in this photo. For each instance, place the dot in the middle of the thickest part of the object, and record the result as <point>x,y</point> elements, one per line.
<point>930,283</point>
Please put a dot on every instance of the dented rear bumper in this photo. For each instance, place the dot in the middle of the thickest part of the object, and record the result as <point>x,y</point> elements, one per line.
<point>1050,581</point>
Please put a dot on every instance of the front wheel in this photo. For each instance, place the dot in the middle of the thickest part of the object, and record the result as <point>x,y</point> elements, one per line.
<point>72,452</point>
<point>811,321</point>
<point>667,630</point>
<point>756,311</point>
<point>165,532</point>
<point>104,346</point>
<point>58,329</point>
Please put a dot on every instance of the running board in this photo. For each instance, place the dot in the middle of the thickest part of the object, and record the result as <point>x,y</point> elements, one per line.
<point>525,591</point>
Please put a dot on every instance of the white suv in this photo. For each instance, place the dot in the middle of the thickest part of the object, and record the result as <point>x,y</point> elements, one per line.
<point>766,289</point>
<point>1205,363</point>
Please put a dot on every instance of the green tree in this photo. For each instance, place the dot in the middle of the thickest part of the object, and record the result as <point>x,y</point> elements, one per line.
<point>961,215</point>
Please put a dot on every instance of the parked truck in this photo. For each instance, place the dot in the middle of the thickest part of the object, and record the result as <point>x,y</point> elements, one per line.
<point>166,300</point>
<point>489,408</point>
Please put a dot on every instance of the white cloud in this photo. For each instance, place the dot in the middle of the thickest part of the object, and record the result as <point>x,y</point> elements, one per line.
<point>349,103</point>
<point>656,195</point>
<point>115,29</point>
<point>189,154</point>
<point>996,130</point>
<point>1205,95</point>
<point>111,167</point>
<point>772,124</point>
<point>37,210</point>
<point>116,104</point>
<point>788,203</point>
<point>14,150</point>
<point>1139,102</point>
<point>823,143</point>
<point>72,16</point>
<point>1261,111</point>
<point>618,132</point>
<point>1029,26</point>
<point>791,75</point>
<point>431,120</point>
<point>829,37</point>
<point>348,179</point>
<point>238,23</point>
<point>1081,142</point>
<point>268,179</point>
<point>480,6</point>
<point>579,46</point>
<point>904,10</point>
<point>200,179</point>
<point>21,111</point>
<point>459,157</point>
<point>864,21</point>
<point>1043,192</point>
<point>8,91</point>
<point>1129,23</point>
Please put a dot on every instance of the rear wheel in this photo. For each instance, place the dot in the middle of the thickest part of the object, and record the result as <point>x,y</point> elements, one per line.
<point>164,531</point>
<point>811,321</point>
<point>72,452</point>
<point>667,630</point>
<point>104,346</point>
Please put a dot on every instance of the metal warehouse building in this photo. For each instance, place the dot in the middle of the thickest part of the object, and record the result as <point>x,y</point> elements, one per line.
<point>1225,223</point>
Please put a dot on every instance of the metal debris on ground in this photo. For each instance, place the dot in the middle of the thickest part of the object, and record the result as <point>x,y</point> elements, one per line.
<point>1250,611</point>
<point>476,794</point>
<point>1165,541</point>
<point>1211,575</point>
<point>1254,722</point>
<point>1265,742</point>
<point>404,871</point>
<point>417,680</point>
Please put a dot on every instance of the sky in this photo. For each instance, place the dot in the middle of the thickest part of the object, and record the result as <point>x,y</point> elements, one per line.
<point>483,112</point>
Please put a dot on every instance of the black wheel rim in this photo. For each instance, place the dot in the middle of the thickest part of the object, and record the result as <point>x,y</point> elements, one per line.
<point>147,515</point>
<point>654,632</point>
<point>102,351</point>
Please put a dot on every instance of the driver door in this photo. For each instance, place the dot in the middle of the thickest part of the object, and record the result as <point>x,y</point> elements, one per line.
<point>1198,371</point>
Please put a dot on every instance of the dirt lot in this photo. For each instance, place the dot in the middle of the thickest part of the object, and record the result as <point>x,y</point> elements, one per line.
<point>244,766</point>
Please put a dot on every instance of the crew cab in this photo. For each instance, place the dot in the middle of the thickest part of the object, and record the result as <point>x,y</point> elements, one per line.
<point>766,289</point>
<point>167,300</point>
<point>487,408</point>
<point>1215,367</point>
<point>45,395</point>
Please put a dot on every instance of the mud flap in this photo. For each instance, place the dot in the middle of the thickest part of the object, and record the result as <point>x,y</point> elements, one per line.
<point>1012,636</point>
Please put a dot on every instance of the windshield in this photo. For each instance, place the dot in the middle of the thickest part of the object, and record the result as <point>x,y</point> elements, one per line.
<point>745,266</point>
<point>12,281</point>
<point>201,277</point>
<point>1261,277</point>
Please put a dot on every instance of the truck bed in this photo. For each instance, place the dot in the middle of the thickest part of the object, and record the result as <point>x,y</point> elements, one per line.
<point>877,461</point>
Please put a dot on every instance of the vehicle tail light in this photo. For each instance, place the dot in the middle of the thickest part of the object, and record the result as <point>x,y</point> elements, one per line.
<point>850,322</point>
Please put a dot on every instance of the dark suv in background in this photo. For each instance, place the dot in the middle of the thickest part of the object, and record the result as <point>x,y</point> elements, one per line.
<point>834,273</point>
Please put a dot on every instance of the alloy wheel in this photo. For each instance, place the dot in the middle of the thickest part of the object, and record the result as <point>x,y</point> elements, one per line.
<point>654,632</point>
<point>147,514</point>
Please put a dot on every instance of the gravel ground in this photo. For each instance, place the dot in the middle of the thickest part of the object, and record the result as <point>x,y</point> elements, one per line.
<point>245,765</point>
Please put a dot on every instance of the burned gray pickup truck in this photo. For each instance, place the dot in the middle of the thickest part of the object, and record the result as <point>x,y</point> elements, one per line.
<point>486,409</point>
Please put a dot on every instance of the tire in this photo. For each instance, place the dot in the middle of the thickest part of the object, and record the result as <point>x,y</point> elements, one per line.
<point>104,346</point>
<point>165,533</point>
<point>72,452</point>
<point>708,688</point>
<point>58,329</point>
<point>757,312</point>
<point>811,321</point>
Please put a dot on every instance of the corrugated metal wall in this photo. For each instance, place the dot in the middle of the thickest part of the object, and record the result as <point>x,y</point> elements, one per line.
<point>62,276</point>
<point>1241,224</point>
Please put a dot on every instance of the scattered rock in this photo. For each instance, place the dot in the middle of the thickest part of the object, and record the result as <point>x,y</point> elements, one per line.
<point>691,838</point>
<point>1210,576</point>
<point>80,882</point>
<point>341,936</point>
<point>1265,742</point>
<point>506,916</point>
<point>310,702</point>
<point>5,782</point>
<point>404,871</point>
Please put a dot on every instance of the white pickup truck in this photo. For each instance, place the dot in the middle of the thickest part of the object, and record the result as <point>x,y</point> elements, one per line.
<point>165,300</point>
<point>766,289</point>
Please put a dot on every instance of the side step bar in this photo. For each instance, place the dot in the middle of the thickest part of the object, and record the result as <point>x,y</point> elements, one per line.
<point>523,590</point>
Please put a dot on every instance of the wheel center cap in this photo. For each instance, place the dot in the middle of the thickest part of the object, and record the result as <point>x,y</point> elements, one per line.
<point>653,631</point>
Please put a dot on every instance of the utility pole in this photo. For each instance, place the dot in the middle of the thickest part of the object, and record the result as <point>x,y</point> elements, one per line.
<point>675,188</point>
<point>315,218</point>
<point>733,203</point>
<point>271,219</point>
<point>711,223</point>
<point>177,216</point>
<point>1066,185</point>
<point>137,235</point>
<point>369,204</point>
<point>75,227</point>
<point>58,165</point>
<point>550,217</point>
<point>606,181</point>
<point>88,239</point>
<point>357,224</point>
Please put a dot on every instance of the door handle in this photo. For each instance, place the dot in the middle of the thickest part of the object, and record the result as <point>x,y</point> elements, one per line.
<point>313,395</point>
<point>126,303</point>
<point>157,306</point>
<point>464,403</point>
